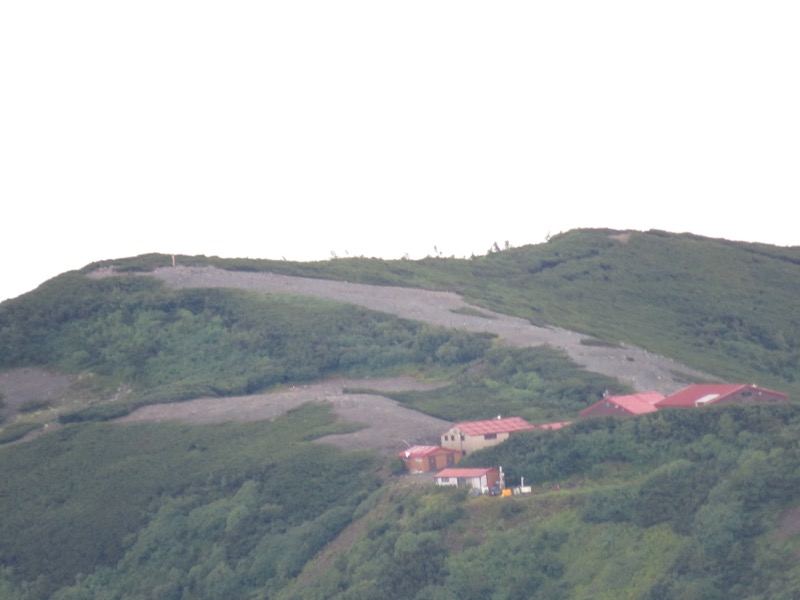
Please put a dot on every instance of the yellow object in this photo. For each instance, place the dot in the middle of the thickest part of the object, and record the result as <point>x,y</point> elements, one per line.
<point>505,492</point>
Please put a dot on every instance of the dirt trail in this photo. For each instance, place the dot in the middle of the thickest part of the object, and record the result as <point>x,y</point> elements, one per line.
<point>389,425</point>
<point>643,370</point>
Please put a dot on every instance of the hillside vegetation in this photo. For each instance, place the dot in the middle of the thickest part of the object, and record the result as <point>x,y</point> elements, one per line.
<point>675,504</point>
<point>165,345</point>
<point>724,307</point>
<point>199,501</point>
<point>680,504</point>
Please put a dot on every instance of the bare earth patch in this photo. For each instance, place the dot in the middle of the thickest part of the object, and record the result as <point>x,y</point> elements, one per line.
<point>623,238</point>
<point>643,370</point>
<point>22,386</point>
<point>789,524</point>
<point>388,425</point>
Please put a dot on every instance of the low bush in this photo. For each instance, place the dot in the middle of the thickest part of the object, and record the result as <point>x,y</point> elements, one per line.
<point>16,431</point>
<point>101,412</point>
<point>33,405</point>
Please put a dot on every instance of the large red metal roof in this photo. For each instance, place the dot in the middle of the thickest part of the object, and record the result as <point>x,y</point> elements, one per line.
<point>688,396</point>
<point>508,425</point>
<point>638,404</point>
<point>706,393</point>
<point>456,472</point>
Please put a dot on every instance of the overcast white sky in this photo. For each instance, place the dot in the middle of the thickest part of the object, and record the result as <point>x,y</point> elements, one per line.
<point>299,128</point>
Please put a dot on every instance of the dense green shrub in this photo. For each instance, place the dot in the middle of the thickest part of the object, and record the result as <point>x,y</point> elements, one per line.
<point>677,504</point>
<point>540,384</point>
<point>681,502</point>
<point>175,345</point>
<point>102,412</point>
<point>710,303</point>
<point>154,505</point>
<point>33,405</point>
<point>18,430</point>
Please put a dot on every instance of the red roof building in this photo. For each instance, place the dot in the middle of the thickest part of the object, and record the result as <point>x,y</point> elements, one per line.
<point>720,393</point>
<point>624,406</point>
<point>480,478</point>
<point>474,435</point>
<point>509,425</point>
<point>422,459</point>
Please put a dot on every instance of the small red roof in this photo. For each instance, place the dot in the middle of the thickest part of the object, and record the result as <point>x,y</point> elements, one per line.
<point>456,472</point>
<point>638,404</point>
<point>707,393</point>
<point>635,404</point>
<point>508,425</point>
<point>423,451</point>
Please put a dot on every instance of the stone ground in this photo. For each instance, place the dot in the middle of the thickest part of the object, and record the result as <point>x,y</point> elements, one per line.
<point>643,370</point>
<point>388,424</point>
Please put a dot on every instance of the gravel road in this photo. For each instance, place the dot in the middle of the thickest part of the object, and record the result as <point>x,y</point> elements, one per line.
<point>643,370</point>
<point>388,425</point>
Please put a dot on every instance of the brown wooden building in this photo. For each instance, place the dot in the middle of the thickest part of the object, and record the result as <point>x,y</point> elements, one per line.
<point>422,459</point>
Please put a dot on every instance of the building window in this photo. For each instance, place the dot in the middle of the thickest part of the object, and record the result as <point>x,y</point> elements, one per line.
<point>462,437</point>
<point>490,436</point>
<point>444,479</point>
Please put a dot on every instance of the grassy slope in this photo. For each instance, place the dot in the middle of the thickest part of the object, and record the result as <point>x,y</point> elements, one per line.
<point>87,496</point>
<point>721,306</point>
<point>233,527</point>
<point>674,505</point>
<point>683,504</point>
<point>168,345</point>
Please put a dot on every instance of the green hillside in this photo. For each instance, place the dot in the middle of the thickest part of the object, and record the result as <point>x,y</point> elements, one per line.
<point>725,307</point>
<point>675,504</point>
<point>167,345</point>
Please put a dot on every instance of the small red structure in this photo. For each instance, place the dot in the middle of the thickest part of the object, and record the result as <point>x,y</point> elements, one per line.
<point>624,406</point>
<point>422,459</point>
<point>721,393</point>
<point>480,478</point>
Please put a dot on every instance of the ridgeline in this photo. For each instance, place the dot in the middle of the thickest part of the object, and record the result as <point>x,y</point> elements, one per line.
<point>674,504</point>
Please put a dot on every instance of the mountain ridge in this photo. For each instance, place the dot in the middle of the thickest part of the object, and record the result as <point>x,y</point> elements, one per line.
<point>673,504</point>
